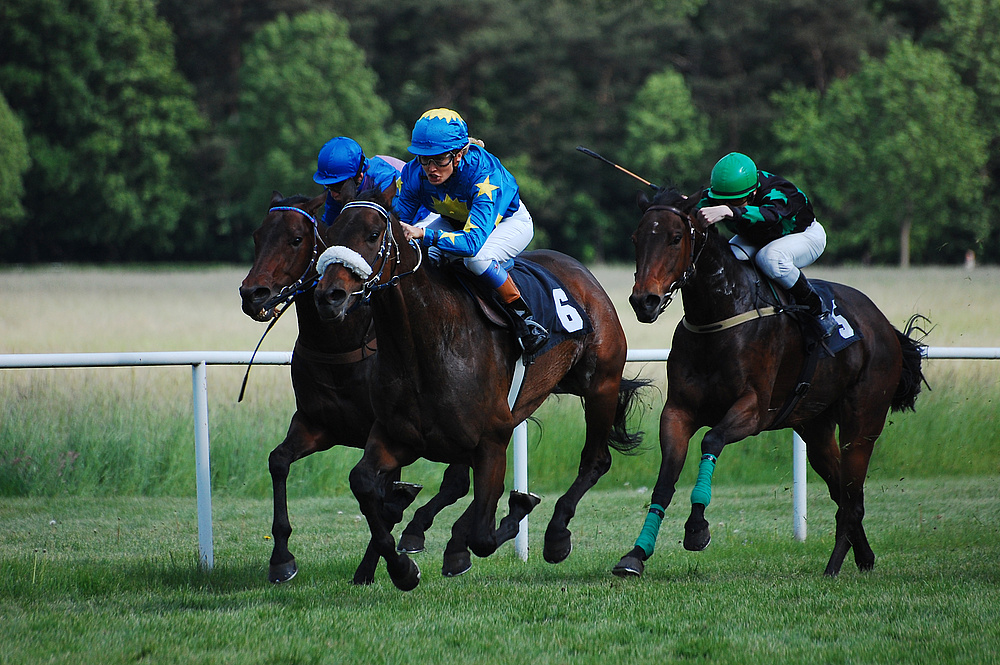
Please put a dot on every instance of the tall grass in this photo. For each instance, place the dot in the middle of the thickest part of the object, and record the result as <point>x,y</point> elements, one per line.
<point>113,432</point>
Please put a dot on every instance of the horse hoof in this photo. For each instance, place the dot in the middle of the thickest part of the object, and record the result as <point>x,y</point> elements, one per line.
<point>557,549</point>
<point>525,501</point>
<point>696,541</point>
<point>456,564</point>
<point>410,578</point>
<point>629,566</point>
<point>410,544</point>
<point>282,572</point>
<point>408,491</point>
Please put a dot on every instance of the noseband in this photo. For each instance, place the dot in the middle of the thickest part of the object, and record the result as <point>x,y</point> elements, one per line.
<point>303,283</point>
<point>354,262</point>
<point>695,254</point>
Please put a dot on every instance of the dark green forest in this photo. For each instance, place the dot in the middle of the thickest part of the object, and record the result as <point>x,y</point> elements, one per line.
<point>148,131</point>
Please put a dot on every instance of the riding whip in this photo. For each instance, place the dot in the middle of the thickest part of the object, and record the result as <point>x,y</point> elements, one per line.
<point>593,154</point>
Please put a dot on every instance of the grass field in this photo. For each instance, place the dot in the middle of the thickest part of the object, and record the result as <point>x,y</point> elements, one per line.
<point>97,486</point>
<point>113,580</point>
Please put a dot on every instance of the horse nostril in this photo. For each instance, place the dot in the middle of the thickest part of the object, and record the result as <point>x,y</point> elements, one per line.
<point>336,297</point>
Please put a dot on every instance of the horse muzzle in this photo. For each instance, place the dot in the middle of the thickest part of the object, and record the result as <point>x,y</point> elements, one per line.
<point>255,303</point>
<point>647,306</point>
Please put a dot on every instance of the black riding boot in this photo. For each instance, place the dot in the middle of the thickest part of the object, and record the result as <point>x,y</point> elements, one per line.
<point>803,293</point>
<point>530,333</point>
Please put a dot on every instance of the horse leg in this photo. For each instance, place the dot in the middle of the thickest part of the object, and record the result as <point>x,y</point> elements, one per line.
<point>454,485</point>
<point>299,442</point>
<point>855,453</point>
<point>676,428</point>
<point>397,496</point>
<point>820,436</point>
<point>738,423</point>
<point>595,460</point>
<point>365,479</point>
<point>487,477</point>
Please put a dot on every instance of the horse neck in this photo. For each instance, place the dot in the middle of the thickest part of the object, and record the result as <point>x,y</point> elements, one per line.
<point>317,335</point>
<point>722,286</point>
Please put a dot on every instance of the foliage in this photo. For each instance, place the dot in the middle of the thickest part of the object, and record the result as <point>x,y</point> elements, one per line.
<point>303,82</point>
<point>14,161</point>
<point>890,172</point>
<point>109,123</point>
<point>667,136</point>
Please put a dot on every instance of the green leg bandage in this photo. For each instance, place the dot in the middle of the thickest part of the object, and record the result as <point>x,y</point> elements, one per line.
<point>702,492</point>
<point>650,529</point>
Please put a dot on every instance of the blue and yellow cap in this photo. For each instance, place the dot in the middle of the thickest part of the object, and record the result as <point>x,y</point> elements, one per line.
<point>439,131</point>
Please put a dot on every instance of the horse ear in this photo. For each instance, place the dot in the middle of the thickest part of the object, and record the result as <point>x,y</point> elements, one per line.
<point>642,201</point>
<point>275,197</point>
<point>315,204</point>
<point>349,191</point>
<point>388,194</point>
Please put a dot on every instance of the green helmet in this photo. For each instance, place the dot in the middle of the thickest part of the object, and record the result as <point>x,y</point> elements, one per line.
<point>733,177</point>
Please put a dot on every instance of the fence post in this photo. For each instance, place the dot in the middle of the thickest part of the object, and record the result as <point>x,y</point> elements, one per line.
<point>521,485</point>
<point>799,487</point>
<point>203,473</point>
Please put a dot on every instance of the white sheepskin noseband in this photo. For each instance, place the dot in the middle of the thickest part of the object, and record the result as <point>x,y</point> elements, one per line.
<point>351,260</point>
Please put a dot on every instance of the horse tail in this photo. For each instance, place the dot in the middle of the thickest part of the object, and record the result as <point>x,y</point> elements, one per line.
<point>621,439</point>
<point>912,375</point>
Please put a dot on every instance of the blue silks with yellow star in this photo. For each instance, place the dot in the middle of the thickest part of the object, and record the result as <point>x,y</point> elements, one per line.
<point>479,194</point>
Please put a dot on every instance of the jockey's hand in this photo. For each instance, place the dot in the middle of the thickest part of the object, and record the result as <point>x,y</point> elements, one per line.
<point>412,232</point>
<point>714,214</point>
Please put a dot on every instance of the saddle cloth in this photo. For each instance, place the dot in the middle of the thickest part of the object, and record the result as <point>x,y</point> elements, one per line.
<point>847,333</point>
<point>551,304</point>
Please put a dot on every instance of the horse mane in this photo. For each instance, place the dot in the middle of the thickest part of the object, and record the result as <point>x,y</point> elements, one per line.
<point>671,196</point>
<point>293,199</point>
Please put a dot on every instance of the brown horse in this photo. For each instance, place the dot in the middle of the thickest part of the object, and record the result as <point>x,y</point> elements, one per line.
<point>737,377</point>
<point>331,372</point>
<point>443,374</point>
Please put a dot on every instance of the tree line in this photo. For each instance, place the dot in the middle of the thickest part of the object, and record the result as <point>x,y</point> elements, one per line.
<point>136,130</point>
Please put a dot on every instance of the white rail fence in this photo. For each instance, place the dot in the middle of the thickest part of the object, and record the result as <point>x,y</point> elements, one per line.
<point>199,360</point>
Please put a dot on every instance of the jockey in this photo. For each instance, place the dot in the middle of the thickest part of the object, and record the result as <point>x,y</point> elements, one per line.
<point>341,159</point>
<point>774,224</point>
<point>483,221</point>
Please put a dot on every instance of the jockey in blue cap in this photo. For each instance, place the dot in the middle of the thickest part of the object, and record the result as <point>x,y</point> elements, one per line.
<point>341,159</point>
<point>483,221</point>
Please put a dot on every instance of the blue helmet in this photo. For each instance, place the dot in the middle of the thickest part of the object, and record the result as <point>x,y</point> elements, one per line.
<point>439,131</point>
<point>340,158</point>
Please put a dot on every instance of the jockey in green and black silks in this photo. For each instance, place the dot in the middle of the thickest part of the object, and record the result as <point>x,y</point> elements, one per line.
<point>775,227</point>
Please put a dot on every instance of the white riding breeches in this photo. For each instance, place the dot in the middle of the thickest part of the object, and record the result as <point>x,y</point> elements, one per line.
<point>781,259</point>
<point>510,237</point>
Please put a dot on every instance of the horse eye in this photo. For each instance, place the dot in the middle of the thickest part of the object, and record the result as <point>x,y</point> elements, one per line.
<point>373,237</point>
<point>676,240</point>
<point>296,241</point>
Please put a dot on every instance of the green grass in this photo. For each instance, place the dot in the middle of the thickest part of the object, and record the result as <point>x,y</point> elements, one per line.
<point>111,580</point>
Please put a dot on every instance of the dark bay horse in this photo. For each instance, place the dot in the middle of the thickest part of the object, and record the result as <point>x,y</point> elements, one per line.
<point>331,372</point>
<point>443,374</point>
<point>737,377</point>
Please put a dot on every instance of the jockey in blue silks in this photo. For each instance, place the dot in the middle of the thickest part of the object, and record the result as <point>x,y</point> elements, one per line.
<point>341,159</point>
<point>482,220</point>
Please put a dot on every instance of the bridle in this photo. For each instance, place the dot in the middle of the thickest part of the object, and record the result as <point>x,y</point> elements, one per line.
<point>695,253</point>
<point>388,250</point>
<point>305,282</point>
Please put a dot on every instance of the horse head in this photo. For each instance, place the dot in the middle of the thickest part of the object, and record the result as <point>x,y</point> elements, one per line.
<point>286,246</point>
<point>363,254</point>
<point>664,251</point>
